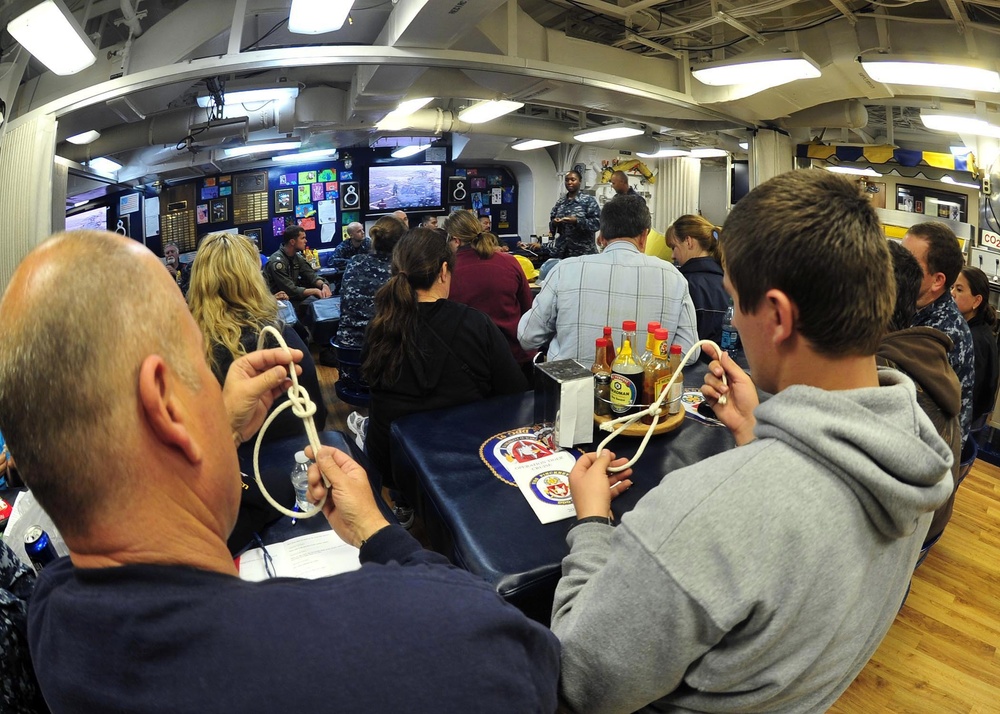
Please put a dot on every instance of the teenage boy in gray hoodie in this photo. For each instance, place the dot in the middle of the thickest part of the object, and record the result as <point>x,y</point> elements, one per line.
<point>764,578</point>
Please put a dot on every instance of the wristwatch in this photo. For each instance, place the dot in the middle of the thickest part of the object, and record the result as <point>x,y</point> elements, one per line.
<point>606,520</point>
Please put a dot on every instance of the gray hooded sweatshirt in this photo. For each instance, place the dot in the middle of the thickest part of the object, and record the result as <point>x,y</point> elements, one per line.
<point>764,578</point>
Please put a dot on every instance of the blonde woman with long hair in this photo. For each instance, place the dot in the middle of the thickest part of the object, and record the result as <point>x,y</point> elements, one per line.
<point>231,304</point>
<point>489,280</point>
<point>695,242</point>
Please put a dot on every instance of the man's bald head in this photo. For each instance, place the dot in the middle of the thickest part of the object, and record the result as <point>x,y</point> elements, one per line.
<point>401,215</point>
<point>70,352</point>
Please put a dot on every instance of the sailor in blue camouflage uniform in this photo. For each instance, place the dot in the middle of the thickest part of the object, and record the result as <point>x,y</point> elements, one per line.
<point>288,271</point>
<point>356,244</point>
<point>18,688</point>
<point>936,248</point>
<point>364,275</point>
<point>576,217</point>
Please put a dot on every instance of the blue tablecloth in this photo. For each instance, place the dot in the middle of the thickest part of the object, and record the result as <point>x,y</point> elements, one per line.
<point>484,524</point>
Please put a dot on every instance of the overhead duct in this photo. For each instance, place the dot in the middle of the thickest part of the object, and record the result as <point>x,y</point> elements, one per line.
<point>167,128</point>
<point>848,114</point>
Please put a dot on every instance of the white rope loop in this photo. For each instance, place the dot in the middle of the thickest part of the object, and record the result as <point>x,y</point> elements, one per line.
<point>304,408</point>
<point>652,410</point>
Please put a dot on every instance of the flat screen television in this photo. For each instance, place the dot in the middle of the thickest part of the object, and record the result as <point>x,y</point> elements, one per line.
<point>96,219</point>
<point>404,188</point>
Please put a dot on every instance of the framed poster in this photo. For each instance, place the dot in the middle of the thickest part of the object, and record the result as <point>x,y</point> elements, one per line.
<point>254,234</point>
<point>218,210</point>
<point>202,213</point>
<point>284,201</point>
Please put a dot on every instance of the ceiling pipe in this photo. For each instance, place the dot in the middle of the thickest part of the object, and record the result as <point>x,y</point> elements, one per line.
<point>162,129</point>
<point>131,18</point>
<point>847,114</point>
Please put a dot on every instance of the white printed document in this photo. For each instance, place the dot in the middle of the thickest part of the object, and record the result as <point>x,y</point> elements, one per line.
<point>312,556</point>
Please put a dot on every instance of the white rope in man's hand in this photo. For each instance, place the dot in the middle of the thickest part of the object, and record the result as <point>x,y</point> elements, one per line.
<point>652,410</point>
<point>303,407</point>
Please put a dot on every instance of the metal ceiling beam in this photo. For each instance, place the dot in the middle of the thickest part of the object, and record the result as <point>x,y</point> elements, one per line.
<point>654,45</point>
<point>845,11</point>
<point>744,28</point>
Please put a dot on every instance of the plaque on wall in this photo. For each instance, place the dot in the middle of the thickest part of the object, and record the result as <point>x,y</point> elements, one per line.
<point>254,182</point>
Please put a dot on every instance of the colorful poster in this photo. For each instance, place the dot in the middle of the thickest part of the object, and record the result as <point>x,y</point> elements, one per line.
<point>327,175</point>
<point>225,190</point>
<point>201,211</point>
<point>210,182</point>
<point>288,179</point>
<point>508,194</point>
<point>307,224</point>
<point>128,204</point>
<point>225,180</point>
<point>496,180</point>
<point>496,196</point>
<point>317,191</point>
<point>305,195</point>
<point>346,175</point>
<point>331,186</point>
<point>479,183</point>
<point>278,226</point>
<point>209,192</point>
<point>350,217</point>
<point>304,210</point>
<point>307,177</point>
<point>332,195</point>
<point>477,201</point>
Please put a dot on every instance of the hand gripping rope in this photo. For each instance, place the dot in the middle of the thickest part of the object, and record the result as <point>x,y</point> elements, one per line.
<point>302,407</point>
<point>652,410</point>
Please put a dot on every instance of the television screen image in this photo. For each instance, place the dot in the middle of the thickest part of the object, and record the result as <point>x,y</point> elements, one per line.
<point>404,187</point>
<point>96,219</point>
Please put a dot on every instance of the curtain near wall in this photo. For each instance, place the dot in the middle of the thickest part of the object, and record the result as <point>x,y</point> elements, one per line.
<point>26,180</point>
<point>676,191</point>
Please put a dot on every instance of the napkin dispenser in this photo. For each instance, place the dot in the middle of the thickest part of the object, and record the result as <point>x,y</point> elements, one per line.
<point>564,403</point>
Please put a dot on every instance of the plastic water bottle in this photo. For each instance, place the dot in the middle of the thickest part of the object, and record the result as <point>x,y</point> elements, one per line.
<point>730,337</point>
<point>300,481</point>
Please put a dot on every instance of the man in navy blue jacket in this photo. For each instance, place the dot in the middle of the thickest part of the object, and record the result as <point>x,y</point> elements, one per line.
<point>130,445</point>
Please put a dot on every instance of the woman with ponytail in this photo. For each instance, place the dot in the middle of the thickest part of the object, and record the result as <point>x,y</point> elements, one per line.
<point>972,297</point>
<point>695,243</point>
<point>489,280</point>
<point>422,351</point>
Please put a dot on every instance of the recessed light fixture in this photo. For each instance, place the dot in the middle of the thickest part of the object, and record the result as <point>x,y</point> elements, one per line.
<point>84,138</point>
<point>529,144</point>
<point>931,74</point>
<point>960,123</point>
<point>770,69</point>
<point>314,17</point>
<point>104,165</point>
<point>306,156</point>
<point>403,151</point>
<point>53,36</point>
<point>618,130</point>
<point>261,148</point>
<point>482,112</point>
<point>854,171</point>
<point>708,152</point>
<point>253,95</point>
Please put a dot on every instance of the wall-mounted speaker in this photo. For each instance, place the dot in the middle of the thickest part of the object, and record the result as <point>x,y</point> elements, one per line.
<point>458,189</point>
<point>350,196</point>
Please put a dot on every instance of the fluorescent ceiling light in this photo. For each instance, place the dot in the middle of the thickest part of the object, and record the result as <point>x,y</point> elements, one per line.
<point>261,148</point>
<point>84,138</point>
<point>959,150</point>
<point>305,156</point>
<point>953,182</point>
<point>253,96</point>
<point>933,74</point>
<point>665,153</point>
<point>745,145</point>
<point>487,110</point>
<point>80,203</point>
<point>53,36</point>
<point>105,166</point>
<point>959,124</point>
<point>529,144</point>
<point>397,118</point>
<point>314,17</point>
<point>707,152</point>
<point>619,130</point>
<point>771,70</point>
<point>854,171</point>
<point>404,151</point>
